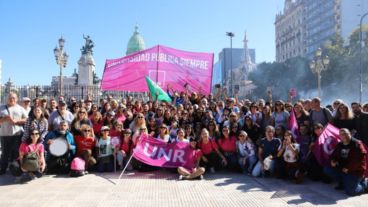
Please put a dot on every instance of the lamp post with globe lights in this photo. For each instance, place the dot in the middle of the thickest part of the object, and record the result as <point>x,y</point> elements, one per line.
<point>61,59</point>
<point>317,65</point>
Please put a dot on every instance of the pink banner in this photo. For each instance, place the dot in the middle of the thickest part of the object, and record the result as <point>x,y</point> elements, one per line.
<point>325,144</point>
<point>163,65</point>
<point>161,154</point>
<point>293,125</point>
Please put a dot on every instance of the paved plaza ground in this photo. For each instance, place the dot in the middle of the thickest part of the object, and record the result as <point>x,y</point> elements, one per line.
<point>161,188</point>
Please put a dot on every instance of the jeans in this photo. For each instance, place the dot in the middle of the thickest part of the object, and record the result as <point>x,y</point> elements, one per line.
<point>249,163</point>
<point>10,150</point>
<point>353,185</point>
<point>257,170</point>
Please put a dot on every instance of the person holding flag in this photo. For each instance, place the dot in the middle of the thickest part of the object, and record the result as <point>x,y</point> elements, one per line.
<point>349,164</point>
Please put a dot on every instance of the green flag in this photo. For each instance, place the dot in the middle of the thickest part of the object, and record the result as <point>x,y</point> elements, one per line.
<point>157,93</point>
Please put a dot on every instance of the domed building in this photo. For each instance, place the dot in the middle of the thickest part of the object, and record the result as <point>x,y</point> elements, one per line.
<point>136,43</point>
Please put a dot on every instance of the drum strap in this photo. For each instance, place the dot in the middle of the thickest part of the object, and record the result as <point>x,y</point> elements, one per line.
<point>7,109</point>
<point>60,115</point>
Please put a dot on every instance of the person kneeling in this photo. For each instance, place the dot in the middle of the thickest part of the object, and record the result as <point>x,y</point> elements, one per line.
<point>31,156</point>
<point>348,164</point>
<point>191,169</point>
<point>267,154</point>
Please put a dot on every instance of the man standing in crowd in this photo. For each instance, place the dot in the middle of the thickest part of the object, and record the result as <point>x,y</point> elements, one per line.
<point>26,104</point>
<point>12,118</point>
<point>59,115</point>
<point>348,164</point>
<point>360,122</point>
<point>319,114</point>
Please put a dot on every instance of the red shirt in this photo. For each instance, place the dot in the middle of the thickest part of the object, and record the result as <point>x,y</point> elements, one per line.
<point>193,157</point>
<point>115,133</point>
<point>126,147</point>
<point>208,147</point>
<point>84,143</point>
<point>24,148</point>
<point>227,145</point>
<point>97,128</point>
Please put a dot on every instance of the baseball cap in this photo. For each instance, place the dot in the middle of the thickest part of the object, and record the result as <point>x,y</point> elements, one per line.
<point>26,99</point>
<point>62,102</point>
<point>105,128</point>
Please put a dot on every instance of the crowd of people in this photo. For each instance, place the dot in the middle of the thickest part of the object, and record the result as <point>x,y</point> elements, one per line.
<point>225,133</point>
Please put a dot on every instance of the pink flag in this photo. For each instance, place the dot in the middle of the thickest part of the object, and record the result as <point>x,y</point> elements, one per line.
<point>293,125</point>
<point>163,65</point>
<point>161,154</point>
<point>325,144</point>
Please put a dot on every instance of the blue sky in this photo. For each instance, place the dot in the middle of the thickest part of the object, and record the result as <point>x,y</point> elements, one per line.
<point>30,29</point>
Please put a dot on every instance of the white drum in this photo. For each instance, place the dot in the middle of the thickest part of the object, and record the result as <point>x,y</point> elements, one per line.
<point>58,147</point>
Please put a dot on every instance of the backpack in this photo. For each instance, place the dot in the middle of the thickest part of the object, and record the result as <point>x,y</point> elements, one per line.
<point>77,167</point>
<point>30,161</point>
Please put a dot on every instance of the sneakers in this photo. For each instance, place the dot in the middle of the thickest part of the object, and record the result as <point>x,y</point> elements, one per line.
<point>181,177</point>
<point>212,170</point>
<point>32,176</point>
<point>200,177</point>
<point>38,174</point>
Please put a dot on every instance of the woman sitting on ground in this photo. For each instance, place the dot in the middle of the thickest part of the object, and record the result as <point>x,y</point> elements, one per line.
<point>191,168</point>
<point>32,144</point>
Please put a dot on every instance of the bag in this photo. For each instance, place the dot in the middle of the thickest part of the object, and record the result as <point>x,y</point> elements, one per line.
<point>30,161</point>
<point>78,164</point>
<point>77,167</point>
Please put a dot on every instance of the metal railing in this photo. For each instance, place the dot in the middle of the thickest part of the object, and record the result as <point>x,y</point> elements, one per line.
<point>79,92</point>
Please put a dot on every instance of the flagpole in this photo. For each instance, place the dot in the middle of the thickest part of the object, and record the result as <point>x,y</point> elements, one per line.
<point>158,56</point>
<point>158,59</point>
<point>126,166</point>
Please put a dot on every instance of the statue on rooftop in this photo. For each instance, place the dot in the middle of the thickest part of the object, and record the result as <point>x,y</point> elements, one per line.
<point>87,48</point>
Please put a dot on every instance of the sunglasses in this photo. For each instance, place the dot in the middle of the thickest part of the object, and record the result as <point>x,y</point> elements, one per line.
<point>87,130</point>
<point>106,130</point>
<point>140,117</point>
<point>35,133</point>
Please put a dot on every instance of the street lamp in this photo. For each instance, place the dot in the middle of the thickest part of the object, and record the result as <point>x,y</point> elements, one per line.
<point>360,56</point>
<point>231,35</point>
<point>318,65</point>
<point>61,59</point>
